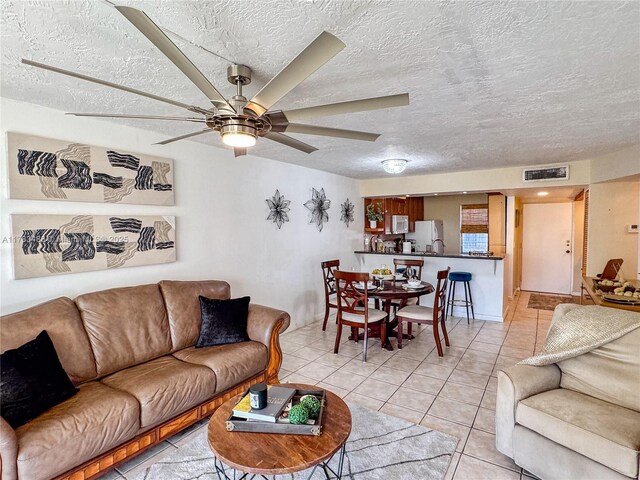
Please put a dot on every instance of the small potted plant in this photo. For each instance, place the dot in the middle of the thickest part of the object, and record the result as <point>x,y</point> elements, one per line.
<point>374,215</point>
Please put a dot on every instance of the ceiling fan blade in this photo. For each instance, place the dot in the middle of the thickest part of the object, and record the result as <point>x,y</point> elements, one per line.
<point>317,53</point>
<point>239,151</point>
<point>149,29</point>
<point>182,137</point>
<point>290,142</point>
<point>327,131</point>
<point>114,85</point>
<point>145,117</point>
<point>352,106</point>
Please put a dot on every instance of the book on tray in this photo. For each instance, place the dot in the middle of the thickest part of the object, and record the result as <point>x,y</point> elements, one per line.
<point>277,399</point>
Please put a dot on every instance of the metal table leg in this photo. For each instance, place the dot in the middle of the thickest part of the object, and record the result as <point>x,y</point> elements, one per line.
<point>222,475</point>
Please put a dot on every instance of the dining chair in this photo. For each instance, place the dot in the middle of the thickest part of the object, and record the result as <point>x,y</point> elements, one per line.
<point>353,310</point>
<point>406,263</point>
<point>428,315</point>
<point>328,269</point>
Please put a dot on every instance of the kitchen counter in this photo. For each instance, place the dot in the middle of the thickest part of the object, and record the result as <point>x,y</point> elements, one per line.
<point>443,255</point>
<point>487,285</point>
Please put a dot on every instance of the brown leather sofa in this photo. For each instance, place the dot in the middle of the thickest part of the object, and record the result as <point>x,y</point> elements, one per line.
<point>131,353</point>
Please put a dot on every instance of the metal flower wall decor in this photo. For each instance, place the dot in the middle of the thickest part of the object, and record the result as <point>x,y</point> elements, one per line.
<point>278,209</point>
<point>346,210</point>
<point>318,207</point>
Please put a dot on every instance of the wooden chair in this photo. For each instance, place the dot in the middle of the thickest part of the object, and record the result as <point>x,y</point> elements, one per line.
<point>403,262</point>
<point>432,316</point>
<point>353,310</point>
<point>328,270</point>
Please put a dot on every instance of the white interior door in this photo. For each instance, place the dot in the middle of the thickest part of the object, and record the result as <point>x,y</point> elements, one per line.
<point>546,247</point>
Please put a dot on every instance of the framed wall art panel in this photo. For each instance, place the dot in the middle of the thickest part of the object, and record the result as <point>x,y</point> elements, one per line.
<point>57,244</point>
<point>46,169</point>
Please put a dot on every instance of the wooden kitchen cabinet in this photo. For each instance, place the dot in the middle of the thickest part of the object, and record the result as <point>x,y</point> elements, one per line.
<point>415,210</point>
<point>411,206</point>
<point>393,206</point>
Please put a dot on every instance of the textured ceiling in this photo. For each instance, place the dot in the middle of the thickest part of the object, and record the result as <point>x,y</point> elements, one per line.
<point>491,83</point>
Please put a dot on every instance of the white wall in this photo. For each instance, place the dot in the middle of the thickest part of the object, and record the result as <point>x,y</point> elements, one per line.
<point>487,283</point>
<point>220,214</point>
<point>501,179</point>
<point>619,164</point>
<point>613,206</point>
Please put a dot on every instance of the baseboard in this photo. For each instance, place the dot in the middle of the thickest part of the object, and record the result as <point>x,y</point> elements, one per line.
<point>462,313</point>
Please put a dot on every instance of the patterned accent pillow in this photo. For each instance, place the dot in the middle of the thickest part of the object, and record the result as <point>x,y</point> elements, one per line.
<point>32,381</point>
<point>223,321</point>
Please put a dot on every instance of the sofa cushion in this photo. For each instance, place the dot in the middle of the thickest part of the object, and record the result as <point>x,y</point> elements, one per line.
<point>610,372</point>
<point>32,381</point>
<point>183,307</point>
<point>164,387</point>
<point>601,431</point>
<point>231,363</point>
<point>92,422</point>
<point>223,321</point>
<point>61,319</point>
<point>126,326</point>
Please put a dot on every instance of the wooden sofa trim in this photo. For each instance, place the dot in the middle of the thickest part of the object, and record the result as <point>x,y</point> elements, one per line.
<point>118,455</point>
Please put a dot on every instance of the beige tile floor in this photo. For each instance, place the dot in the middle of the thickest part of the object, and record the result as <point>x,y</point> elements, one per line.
<point>454,394</point>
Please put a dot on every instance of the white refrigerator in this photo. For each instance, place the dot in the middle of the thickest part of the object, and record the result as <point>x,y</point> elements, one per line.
<point>426,233</point>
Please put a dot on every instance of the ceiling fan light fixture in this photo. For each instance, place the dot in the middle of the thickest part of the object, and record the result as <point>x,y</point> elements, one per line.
<point>238,135</point>
<point>238,139</point>
<point>394,165</point>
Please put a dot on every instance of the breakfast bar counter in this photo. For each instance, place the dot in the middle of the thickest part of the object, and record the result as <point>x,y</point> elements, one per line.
<point>487,284</point>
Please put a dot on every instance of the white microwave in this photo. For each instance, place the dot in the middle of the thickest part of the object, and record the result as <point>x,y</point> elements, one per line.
<point>400,224</point>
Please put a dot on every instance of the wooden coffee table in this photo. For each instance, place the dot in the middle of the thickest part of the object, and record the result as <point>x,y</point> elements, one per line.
<point>276,454</point>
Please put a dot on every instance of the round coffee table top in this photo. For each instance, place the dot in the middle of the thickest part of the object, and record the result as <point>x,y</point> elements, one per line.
<point>277,454</point>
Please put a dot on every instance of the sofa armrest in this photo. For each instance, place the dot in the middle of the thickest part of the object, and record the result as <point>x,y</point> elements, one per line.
<point>8,451</point>
<point>514,384</point>
<point>264,325</point>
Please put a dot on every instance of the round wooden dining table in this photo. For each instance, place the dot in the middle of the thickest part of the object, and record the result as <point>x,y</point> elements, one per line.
<point>388,291</point>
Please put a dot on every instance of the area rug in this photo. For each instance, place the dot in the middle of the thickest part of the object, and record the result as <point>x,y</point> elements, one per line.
<point>544,301</point>
<point>379,447</point>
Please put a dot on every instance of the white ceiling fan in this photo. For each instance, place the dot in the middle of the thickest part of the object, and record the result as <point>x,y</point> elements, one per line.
<point>238,120</point>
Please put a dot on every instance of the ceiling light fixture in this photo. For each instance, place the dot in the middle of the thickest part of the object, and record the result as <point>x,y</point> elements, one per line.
<point>394,165</point>
<point>543,194</point>
<point>238,135</point>
<point>464,193</point>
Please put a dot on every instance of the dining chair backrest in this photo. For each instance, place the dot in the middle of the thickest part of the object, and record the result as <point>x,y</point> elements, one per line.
<point>350,299</point>
<point>408,263</point>
<point>328,273</point>
<point>439,303</point>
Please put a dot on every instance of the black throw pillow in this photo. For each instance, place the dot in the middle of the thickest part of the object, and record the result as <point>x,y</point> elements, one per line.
<point>32,381</point>
<point>223,321</point>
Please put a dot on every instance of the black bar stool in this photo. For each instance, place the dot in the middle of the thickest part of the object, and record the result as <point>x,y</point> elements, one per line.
<point>465,278</point>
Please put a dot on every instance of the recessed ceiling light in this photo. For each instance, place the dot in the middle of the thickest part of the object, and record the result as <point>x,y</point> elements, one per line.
<point>543,194</point>
<point>394,165</point>
<point>464,193</point>
<point>435,194</point>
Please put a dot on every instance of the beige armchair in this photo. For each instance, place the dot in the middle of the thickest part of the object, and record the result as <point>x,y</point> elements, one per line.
<point>576,419</point>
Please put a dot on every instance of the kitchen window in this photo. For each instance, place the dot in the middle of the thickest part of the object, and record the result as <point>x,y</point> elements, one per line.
<point>474,228</point>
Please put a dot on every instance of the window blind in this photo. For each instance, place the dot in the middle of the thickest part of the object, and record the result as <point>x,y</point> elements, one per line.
<point>474,218</point>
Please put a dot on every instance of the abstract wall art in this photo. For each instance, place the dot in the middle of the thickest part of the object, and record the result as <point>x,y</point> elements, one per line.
<point>278,209</point>
<point>318,208</point>
<point>46,169</point>
<point>346,212</point>
<point>56,244</point>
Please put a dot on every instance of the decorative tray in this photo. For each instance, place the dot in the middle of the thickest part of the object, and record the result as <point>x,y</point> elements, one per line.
<point>235,424</point>
<point>621,299</point>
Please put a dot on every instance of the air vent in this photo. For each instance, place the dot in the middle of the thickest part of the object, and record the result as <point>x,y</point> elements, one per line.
<point>545,174</point>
